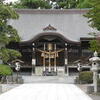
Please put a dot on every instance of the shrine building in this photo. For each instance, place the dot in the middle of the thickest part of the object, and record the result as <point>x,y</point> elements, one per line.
<point>52,40</point>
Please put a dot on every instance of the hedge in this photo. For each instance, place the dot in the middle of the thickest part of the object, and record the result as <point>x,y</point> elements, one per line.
<point>5,70</point>
<point>86,77</point>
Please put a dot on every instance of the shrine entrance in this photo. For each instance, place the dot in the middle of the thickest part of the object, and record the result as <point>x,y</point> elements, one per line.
<point>49,54</point>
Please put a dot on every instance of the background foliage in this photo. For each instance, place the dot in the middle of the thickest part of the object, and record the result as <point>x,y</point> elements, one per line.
<point>66,4</point>
<point>7,33</point>
<point>32,4</point>
<point>94,20</point>
<point>95,45</point>
<point>84,4</point>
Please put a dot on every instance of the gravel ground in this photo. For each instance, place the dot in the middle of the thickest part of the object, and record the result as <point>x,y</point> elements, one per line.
<point>93,96</point>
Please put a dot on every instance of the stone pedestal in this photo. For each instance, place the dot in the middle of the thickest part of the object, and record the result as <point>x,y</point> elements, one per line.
<point>60,71</point>
<point>39,71</point>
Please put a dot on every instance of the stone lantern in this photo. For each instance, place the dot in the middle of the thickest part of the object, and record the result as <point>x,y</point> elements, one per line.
<point>17,68</point>
<point>95,64</point>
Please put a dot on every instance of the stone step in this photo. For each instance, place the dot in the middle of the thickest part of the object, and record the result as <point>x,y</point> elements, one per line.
<point>48,79</point>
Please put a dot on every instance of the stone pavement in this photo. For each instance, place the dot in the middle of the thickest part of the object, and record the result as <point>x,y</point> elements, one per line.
<point>84,88</point>
<point>49,79</point>
<point>95,97</point>
<point>45,91</point>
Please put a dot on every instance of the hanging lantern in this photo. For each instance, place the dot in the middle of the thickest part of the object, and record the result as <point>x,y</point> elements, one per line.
<point>50,46</point>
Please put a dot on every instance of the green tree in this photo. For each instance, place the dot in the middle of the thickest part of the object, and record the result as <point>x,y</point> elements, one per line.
<point>94,15</point>
<point>84,4</point>
<point>67,4</point>
<point>95,45</point>
<point>32,4</point>
<point>7,33</point>
<point>94,19</point>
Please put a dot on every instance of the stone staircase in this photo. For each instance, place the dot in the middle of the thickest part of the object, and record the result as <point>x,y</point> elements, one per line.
<point>49,79</point>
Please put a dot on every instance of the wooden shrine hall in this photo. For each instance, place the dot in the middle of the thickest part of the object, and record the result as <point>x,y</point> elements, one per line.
<point>50,53</point>
<point>50,44</point>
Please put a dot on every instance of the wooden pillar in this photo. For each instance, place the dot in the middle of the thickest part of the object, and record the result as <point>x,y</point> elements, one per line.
<point>33,58</point>
<point>79,51</point>
<point>66,59</point>
<point>55,66</point>
<point>44,67</point>
<point>49,61</point>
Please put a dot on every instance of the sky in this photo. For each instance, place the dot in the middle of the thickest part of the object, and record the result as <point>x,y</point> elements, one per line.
<point>10,0</point>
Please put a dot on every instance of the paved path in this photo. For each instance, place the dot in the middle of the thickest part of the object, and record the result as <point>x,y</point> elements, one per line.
<point>49,79</point>
<point>45,91</point>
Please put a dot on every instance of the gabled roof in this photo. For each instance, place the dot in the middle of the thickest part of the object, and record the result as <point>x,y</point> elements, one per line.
<point>58,35</point>
<point>69,22</point>
<point>49,28</point>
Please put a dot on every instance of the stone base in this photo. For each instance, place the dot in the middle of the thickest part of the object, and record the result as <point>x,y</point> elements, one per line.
<point>60,71</point>
<point>39,71</point>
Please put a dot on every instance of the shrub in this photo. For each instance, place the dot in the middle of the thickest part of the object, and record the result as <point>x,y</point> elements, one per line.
<point>98,82</point>
<point>86,77</point>
<point>5,70</point>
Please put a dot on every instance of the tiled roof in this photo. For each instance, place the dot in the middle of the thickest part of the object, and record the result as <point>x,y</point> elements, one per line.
<point>70,23</point>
